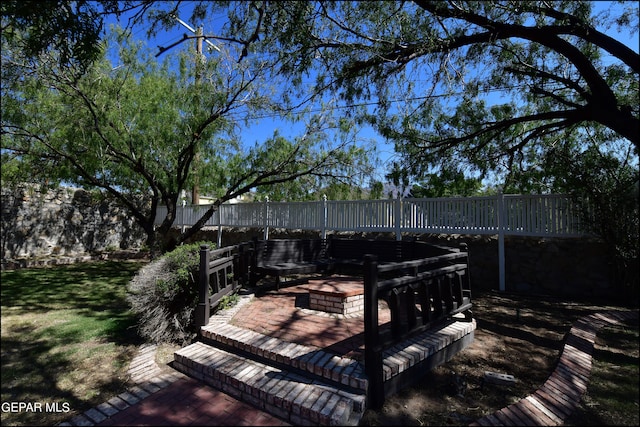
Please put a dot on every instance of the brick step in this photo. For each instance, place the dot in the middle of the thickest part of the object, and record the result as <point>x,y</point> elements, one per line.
<point>341,370</point>
<point>296,398</point>
<point>421,348</point>
<point>286,379</point>
<point>429,348</point>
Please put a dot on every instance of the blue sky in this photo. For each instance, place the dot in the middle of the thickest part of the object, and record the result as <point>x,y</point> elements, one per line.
<point>266,125</point>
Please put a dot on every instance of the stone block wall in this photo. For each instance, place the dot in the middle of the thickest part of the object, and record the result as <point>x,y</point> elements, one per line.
<point>66,222</point>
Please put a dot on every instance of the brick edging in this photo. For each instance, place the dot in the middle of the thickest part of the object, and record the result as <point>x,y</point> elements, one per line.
<point>560,395</point>
<point>147,377</point>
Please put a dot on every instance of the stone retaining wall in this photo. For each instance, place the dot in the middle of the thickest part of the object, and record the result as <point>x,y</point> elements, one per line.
<point>68,225</point>
<point>64,224</point>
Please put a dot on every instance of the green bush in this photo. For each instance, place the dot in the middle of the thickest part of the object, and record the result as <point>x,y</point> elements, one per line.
<point>164,295</point>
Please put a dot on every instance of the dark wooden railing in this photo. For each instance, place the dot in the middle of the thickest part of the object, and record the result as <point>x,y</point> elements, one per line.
<point>437,282</point>
<point>439,285</point>
<point>221,272</point>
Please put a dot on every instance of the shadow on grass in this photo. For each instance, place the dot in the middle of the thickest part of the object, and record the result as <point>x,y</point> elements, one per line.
<point>33,372</point>
<point>56,319</point>
<point>83,285</point>
<point>95,291</point>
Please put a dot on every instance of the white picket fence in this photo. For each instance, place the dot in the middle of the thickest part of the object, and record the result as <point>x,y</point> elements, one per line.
<point>525,215</point>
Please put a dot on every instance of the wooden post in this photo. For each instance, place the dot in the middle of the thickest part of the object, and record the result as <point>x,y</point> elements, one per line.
<point>324,217</point>
<point>203,310</point>
<point>235,279</point>
<point>219,226</point>
<point>398,218</point>
<point>266,218</point>
<point>195,192</point>
<point>464,247</point>
<point>372,348</point>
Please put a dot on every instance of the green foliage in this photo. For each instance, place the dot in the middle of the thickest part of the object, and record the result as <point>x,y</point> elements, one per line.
<point>151,129</point>
<point>487,87</point>
<point>71,27</point>
<point>228,301</point>
<point>164,295</point>
<point>609,190</point>
<point>447,183</point>
<point>183,263</point>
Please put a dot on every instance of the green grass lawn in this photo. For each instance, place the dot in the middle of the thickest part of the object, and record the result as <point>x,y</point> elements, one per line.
<point>67,339</point>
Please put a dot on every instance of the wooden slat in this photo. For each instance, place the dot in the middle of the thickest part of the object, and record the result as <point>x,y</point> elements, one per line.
<point>388,284</point>
<point>424,262</point>
<point>424,301</point>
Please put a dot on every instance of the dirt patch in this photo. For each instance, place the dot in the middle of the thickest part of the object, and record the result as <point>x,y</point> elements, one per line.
<point>518,335</point>
<point>164,357</point>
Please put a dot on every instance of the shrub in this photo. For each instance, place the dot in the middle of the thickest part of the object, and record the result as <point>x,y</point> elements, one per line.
<point>164,295</point>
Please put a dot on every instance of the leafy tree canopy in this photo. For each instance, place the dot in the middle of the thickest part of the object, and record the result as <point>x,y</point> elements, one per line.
<point>73,29</point>
<point>488,86</point>
<point>143,131</point>
<point>480,87</point>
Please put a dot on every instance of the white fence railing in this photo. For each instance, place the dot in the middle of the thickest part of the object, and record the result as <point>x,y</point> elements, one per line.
<point>526,215</point>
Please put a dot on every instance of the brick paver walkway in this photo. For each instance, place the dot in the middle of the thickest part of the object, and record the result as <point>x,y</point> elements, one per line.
<point>284,315</point>
<point>187,402</point>
<point>163,399</point>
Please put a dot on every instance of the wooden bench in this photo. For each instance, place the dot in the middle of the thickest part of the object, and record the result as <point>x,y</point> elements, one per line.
<point>282,257</point>
<point>348,254</point>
